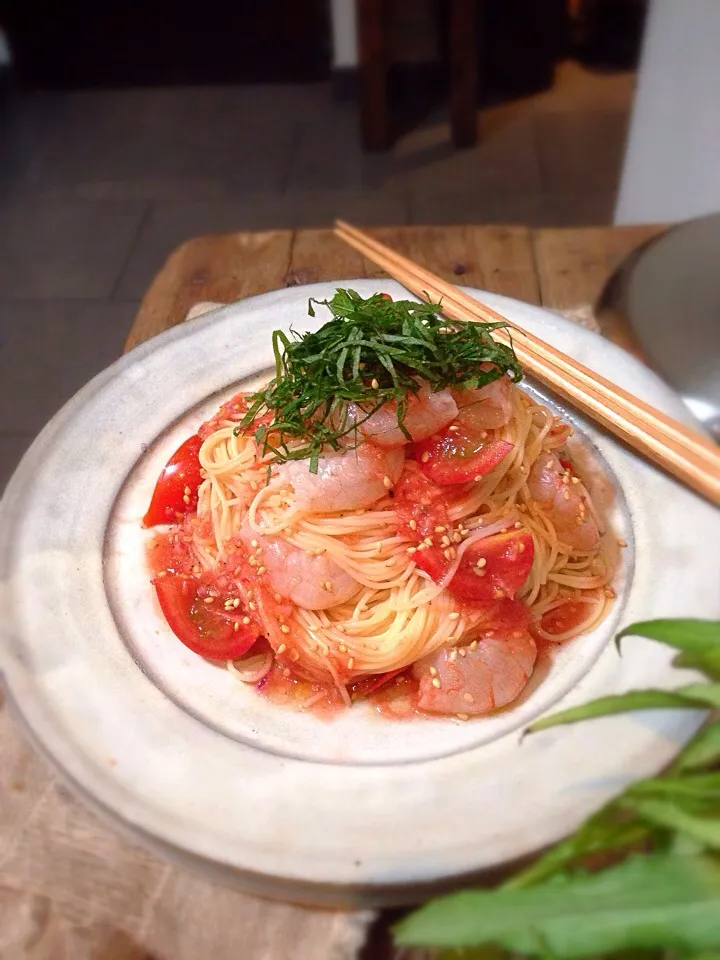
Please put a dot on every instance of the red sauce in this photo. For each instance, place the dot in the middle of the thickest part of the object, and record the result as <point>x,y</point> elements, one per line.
<point>566,617</point>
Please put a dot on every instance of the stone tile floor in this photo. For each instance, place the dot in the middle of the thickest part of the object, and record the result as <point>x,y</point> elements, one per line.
<point>98,187</point>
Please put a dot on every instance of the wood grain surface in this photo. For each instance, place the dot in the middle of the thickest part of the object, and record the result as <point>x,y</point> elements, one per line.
<point>70,887</point>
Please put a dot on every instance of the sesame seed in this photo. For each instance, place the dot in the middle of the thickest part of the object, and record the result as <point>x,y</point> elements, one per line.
<point>209,600</point>
<point>425,457</point>
<point>622,543</point>
<point>412,524</point>
<point>445,542</point>
<point>186,499</point>
<point>433,671</point>
<point>448,554</point>
<point>462,716</point>
<point>456,538</point>
<point>436,683</point>
<point>468,697</point>
<point>236,602</point>
<point>374,383</point>
<point>387,483</point>
<point>246,620</point>
<point>282,648</point>
<point>454,615</point>
<point>428,541</point>
<point>351,663</point>
<point>440,529</point>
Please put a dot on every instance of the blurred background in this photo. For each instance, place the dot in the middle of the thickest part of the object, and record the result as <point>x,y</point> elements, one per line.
<point>127,128</point>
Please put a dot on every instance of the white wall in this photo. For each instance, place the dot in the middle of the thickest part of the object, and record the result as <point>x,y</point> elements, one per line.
<point>344,33</point>
<point>672,164</point>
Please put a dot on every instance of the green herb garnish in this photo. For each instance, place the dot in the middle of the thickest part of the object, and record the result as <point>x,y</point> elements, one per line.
<point>372,352</point>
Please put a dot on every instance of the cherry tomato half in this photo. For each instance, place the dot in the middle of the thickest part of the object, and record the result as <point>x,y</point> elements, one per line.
<point>458,456</point>
<point>207,631</point>
<point>491,569</point>
<point>170,498</point>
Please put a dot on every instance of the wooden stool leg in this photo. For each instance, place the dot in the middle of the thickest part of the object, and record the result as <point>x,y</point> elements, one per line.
<point>374,105</point>
<point>463,72</point>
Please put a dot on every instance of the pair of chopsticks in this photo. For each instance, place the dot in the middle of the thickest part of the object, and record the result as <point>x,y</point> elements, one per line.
<point>683,452</point>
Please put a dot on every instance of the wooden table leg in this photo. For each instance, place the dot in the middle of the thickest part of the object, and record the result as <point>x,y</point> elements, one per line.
<point>374,101</point>
<point>463,55</point>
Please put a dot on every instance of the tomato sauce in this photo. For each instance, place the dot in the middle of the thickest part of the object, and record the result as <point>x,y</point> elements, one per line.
<point>566,617</point>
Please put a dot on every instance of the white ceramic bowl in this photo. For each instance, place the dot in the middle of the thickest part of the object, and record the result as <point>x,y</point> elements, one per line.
<point>358,809</point>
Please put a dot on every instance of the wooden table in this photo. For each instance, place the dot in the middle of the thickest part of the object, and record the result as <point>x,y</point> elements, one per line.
<point>70,887</point>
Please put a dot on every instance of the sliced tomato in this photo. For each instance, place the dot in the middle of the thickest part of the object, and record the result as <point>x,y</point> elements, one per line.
<point>565,617</point>
<point>457,456</point>
<point>491,569</point>
<point>176,491</point>
<point>205,629</point>
<point>420,504</point>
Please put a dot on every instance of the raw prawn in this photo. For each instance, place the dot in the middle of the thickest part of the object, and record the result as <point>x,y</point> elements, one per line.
<point>478,678</point>
<point>486,408</point>
<point>566,502</point>
<point>309,581</point>
<point>426,413</point>
<point>346,480</point>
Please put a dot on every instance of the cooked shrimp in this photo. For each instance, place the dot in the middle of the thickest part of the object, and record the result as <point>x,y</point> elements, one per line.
<point>426,413</point>
<point>487,408</point>
<point>478,678</point>
<point>348,480</point>
<point>566,502</point>
<point>309,581</point>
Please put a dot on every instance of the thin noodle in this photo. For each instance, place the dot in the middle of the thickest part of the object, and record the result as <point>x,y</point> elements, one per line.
<point>397,614</point>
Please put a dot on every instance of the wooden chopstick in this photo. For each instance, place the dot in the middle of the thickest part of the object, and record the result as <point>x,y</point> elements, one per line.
<point>573,370</point>
<point>683,452</point>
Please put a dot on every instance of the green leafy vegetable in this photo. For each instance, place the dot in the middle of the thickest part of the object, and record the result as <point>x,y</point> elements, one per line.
<point>696,695</point>
<point>648,900</point>
<point>373,351</point>
<point>640,878</point>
